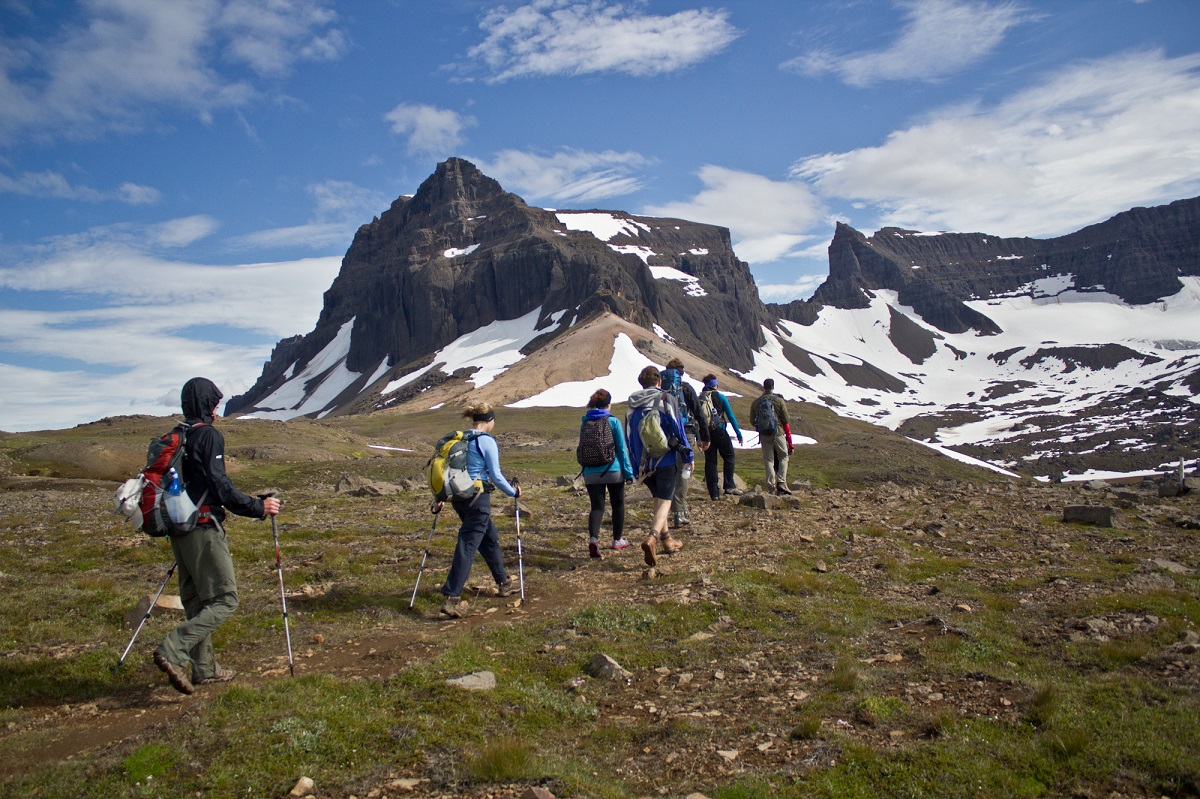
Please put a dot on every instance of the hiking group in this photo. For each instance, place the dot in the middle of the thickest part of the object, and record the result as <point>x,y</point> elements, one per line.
<point>656,445</point>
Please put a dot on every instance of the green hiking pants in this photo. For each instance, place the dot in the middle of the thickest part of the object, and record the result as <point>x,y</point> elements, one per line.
<point>208,591</point>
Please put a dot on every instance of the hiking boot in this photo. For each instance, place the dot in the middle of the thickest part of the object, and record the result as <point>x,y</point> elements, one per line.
<point>620,543</point>
<point>782,489</point>
<point>593,549</point>
<point>175,675</point>
<point>222,675</point>
<point>455,608</point>
<point>733,492</point>
<point>671,545</point>
<point>648,551</point>
<point>506,588</point>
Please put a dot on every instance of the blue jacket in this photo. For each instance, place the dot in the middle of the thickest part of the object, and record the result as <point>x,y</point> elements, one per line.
<point>621,461</point>
<point>641,402</point>
<point>483,461</point>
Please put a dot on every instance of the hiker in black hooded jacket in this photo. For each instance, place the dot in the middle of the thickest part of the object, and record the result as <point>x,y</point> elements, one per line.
<point>207,583</point>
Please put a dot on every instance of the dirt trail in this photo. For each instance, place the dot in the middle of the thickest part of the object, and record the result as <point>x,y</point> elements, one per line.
<point>69,731</point>
<point>894,525</point>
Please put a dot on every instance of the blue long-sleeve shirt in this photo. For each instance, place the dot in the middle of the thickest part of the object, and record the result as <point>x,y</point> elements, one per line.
<point>483,462</point>
<point>621,461</point>
<point>723,405</point>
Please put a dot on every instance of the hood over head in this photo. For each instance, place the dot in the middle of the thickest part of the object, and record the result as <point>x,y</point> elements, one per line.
<point>644,397</point>
<point>199,399</point>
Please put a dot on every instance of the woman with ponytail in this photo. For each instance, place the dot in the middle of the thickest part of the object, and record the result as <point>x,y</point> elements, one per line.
<point>609,477</point>
<point>478,532</point>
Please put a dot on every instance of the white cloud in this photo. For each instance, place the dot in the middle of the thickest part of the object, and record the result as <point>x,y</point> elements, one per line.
<point>1090,142</point>
<point>270,37</point>
<point>125,59</point>
<point>940,38</point>
<point>564,37</point>
<point>341,208</point>
<point>47,184</point>
<point>139,325</point>
<point>767,219</point>
<point>183,231</point>
<point>570,176</point>
<point>801,288</point>
<point>430,129</point>
<point>137,194</point>
<point>53,185</point>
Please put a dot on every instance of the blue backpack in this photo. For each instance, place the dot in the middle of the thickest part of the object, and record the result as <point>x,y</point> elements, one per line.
<point>674,384</point>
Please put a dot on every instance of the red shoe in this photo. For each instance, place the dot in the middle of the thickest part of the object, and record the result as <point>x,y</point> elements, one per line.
<point>594,549</point>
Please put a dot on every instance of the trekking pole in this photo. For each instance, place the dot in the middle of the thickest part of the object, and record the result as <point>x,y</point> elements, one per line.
<point>149,610</point>
<point>435,510</point>
<point>520,560</point>
<point>282,596</point>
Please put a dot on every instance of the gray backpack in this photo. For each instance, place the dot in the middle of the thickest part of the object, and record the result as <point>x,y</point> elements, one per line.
<point>766,421</point>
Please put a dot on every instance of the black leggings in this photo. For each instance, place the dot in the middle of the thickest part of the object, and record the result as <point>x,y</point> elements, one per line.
<point>722,446</point>
<point>616,492</point>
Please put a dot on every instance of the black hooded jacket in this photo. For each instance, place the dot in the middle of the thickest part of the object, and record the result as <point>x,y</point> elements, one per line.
<point>204,460</point>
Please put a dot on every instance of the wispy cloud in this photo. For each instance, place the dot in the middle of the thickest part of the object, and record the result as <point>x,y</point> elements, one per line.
<point>139,324</point>
<point>1087,143</point>
<point>767,219</point>
<point>570,176</point>
<point>430,130</point>
<point>565,37</point>
<point>125,60</point>
<point>801,288</point>
<point>340,209</point>
<point>940,37</point>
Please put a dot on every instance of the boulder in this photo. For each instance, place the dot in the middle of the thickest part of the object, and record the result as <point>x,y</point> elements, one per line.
<point>604,667</point>
<point>1097,515</point>
<point>761,500</point>
<point>166,603</point>
<point>357,486</point>
<point>476,681</point>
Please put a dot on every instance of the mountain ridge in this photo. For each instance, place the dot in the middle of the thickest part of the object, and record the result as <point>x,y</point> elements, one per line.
<point>999,347</point>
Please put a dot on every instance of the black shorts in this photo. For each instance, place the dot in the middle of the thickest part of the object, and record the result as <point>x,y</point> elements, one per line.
<point>661,482</point>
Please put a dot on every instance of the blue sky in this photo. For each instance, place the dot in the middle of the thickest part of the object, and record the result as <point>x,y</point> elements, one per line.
<point>179,179</point>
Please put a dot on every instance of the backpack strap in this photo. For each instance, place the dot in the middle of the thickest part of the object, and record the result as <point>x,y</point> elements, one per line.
<point>205,512</point>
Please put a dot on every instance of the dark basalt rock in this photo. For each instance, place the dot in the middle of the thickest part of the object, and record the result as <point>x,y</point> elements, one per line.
<point>1137,255</point>
<point>408,298</point>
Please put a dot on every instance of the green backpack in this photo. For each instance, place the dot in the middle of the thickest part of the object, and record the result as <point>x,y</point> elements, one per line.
<point>654,439</point>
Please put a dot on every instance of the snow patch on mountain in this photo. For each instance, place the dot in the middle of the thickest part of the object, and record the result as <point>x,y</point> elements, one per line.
<point>300,395</point>
<point>602,225</point>
<point>691,283</point>
<point>492,349</point>
<point>455,252</point>
<point>1038,359</point>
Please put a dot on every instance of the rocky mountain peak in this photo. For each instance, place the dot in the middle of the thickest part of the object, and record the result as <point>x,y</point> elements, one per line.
<point>457,190</point>
<point>462,254</point>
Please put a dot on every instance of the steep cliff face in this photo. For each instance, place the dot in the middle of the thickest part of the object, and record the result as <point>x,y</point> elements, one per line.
<point>463,253</point>
<point>1137,256</point>
<point>1060,355</point>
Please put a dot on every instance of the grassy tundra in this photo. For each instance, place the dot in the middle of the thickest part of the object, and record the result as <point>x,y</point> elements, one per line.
<point>903,626</point>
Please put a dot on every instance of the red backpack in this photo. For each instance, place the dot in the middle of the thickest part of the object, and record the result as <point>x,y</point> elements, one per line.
<point>148,501</point>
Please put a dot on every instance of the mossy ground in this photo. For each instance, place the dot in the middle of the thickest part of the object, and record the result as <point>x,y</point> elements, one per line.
<point>918,635</point>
